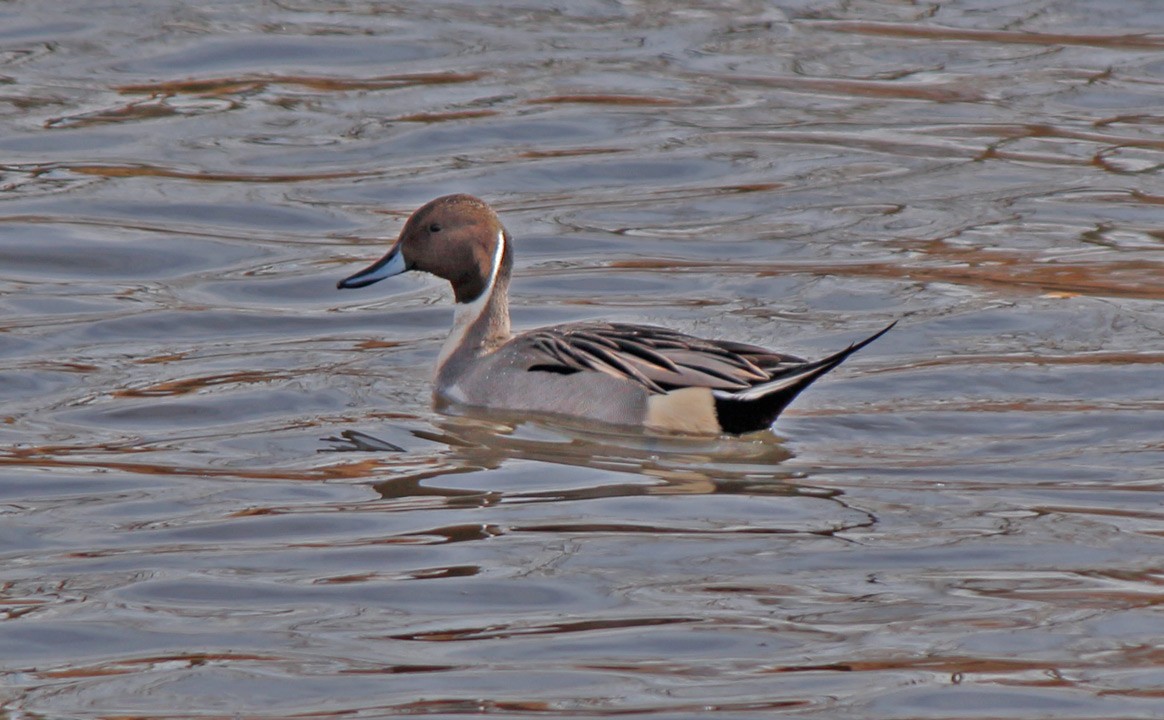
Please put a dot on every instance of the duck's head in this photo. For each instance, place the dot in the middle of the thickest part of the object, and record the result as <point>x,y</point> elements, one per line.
<point>455,237</point>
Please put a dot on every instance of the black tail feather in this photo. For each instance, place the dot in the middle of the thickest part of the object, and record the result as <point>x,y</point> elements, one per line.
<point>739,415</point>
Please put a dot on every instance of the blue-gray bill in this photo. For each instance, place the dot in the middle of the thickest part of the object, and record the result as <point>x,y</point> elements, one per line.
<point>387,266</point>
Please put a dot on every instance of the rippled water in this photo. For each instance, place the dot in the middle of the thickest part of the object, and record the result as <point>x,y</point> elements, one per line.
<point>201,513</point>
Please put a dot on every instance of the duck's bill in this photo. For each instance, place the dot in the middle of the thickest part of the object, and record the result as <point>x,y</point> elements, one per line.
<point>387,266</point>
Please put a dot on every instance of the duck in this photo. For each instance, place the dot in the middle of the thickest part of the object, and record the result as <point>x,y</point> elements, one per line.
<point>611,373</point>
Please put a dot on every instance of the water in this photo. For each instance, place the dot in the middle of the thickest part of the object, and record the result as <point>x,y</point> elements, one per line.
<point>201,513</point>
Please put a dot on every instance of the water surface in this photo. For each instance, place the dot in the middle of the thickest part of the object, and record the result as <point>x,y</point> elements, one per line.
<point>201,513</point>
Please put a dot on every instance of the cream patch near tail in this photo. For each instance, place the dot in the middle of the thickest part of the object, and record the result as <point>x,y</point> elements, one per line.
<point>687,410</point>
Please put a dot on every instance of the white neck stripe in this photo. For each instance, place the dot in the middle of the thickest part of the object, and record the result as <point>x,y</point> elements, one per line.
<point>498,252</point>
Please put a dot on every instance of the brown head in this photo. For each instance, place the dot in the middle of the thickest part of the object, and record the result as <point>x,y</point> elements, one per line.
<point>455,237</point>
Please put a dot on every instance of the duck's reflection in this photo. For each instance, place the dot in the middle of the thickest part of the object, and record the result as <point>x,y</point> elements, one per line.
<point>630,463</point>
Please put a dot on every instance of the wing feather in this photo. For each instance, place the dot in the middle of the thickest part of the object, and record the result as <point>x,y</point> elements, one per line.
<point>659,359</point>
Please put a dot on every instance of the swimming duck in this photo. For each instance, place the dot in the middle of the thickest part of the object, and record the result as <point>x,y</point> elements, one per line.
<point>614,373</point>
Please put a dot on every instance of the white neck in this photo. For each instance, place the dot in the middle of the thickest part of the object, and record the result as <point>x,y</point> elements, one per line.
<point>467,313</point>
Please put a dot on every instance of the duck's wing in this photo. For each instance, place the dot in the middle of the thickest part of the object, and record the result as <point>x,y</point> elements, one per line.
<point>659,359</point>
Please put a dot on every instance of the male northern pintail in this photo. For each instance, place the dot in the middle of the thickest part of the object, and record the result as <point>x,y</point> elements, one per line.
<point>617,373</point>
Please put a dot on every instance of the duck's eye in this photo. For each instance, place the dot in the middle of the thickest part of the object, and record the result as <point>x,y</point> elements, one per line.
<point>434,228</point>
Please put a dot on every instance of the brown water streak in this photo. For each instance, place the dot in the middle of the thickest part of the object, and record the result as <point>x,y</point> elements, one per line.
<point>888,89</point>
<point>1127,278</point>
<point>189,385</point>
<point>226,86</point>
<point>118,171</point>
<point>37,458</point>
<point>929,32</point>
<point>603,99</point>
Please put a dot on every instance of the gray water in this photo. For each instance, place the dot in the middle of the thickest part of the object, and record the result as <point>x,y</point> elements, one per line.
<point>965,521</point>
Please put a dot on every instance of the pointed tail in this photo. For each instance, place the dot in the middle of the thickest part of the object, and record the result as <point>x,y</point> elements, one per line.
<point>758,407</point>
